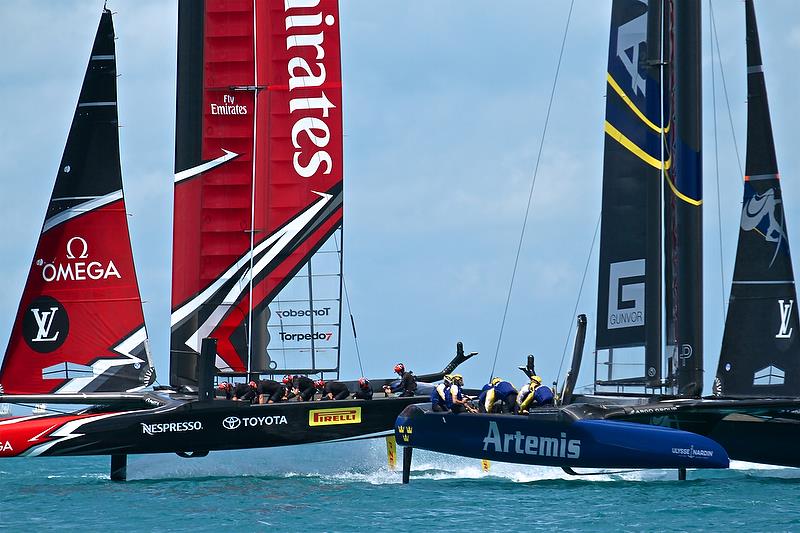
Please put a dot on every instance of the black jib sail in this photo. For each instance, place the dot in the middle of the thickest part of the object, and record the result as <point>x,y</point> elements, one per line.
<point>760,352</point>
<point>629,293</point>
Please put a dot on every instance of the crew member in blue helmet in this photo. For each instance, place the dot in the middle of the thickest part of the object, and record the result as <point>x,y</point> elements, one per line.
<point>454,396</point>
<point>438,395</point>
<point>534,395</point>
<point>501,398</point>
<point>364,391</point>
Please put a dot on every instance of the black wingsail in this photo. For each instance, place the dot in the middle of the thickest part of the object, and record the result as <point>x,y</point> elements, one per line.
<point>683,199</point>
<point>629,293</point>
<point>760,352</point>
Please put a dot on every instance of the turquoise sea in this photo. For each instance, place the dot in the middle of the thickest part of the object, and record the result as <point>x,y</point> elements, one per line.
<point>348,487</point>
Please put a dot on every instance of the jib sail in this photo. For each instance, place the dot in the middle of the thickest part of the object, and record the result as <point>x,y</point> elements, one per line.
<point>80,326</point>
<point>760,353</point>
<point>629,294</point>
<point>258,187</point>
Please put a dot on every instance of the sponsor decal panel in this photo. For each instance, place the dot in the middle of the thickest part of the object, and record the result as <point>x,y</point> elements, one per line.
<point>45,324</point>
<point>405,432</point>
<point>626,294</point>
<point>785,332</point>
<point>79,266</point>
<point>517,443</point>
<point>759,213</point>
<point>171,427</point>
<point>309,106</point>
<point>771,375</point>
<point>236,422</point>
<point>692,452</point>
<point>228,106</point>
<point>151,401</point>
<point>292,313</point>
<point>333,417</point>
<point>300,337</point>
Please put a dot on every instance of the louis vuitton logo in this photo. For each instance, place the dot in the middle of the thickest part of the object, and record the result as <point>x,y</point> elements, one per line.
<point>785,332</point>
<point>44,321</point>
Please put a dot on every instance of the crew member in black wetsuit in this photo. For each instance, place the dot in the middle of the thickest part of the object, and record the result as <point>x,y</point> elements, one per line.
<point>287,382</point>
<point>364,391</point>
<point>407,386</point>
<point>227,389</point>
<point>270,391</point>
<point>333,390</point>
<point>242,391</point>
<point>303,388</point>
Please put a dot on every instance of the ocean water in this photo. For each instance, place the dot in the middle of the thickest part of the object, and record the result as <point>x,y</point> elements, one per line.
<point>348,486</point>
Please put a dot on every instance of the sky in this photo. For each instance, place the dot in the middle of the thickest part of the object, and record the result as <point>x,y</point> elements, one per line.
<point>444,108</point>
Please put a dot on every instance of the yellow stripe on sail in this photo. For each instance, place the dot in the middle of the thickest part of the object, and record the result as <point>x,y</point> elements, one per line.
<point>617,89</point>
<point>617,135</point>
<point>680,195</point>
<point>391,452</point>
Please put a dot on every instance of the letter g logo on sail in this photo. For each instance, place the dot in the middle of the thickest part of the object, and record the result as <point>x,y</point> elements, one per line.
<point>626,298</point>
<point>77,244</point>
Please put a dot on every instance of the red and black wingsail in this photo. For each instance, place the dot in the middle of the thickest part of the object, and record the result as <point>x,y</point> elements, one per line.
<point>258,183</point>
<point>80,326</point>
<point>760,349</point>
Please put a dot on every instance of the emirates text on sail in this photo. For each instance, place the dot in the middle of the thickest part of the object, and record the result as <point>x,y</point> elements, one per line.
<point>302,77</point>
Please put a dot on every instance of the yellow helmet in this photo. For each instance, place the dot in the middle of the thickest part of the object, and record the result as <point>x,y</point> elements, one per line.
<point>495,381</point>
<point>456,378</point>
<point>536,380</point>
<point>447,378</point>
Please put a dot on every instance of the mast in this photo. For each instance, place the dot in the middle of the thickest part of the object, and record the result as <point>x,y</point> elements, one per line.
<point>683,199</point>
<point>629,292</point>
<point>760,354</point>
<point>80,326</point>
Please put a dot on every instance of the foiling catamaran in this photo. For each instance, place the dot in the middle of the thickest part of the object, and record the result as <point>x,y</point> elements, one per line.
<point>258,203</point>
<point>654,166</point>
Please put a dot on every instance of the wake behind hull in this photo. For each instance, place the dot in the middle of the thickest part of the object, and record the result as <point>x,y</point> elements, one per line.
<point>192,426</point>
<point>553,437</point>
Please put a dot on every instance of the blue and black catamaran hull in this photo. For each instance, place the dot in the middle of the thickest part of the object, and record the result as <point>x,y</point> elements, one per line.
<point>555,437</point>
<point>758,430</point>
